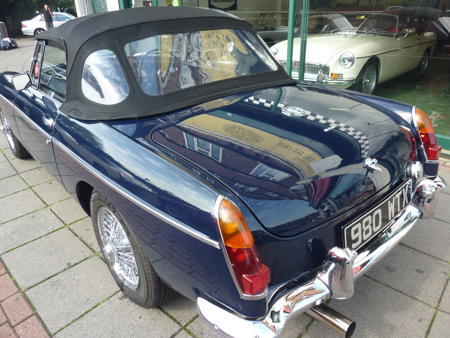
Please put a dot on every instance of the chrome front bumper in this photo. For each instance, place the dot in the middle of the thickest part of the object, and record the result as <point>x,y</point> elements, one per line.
<point>335,278</point>
<point>326,80</point>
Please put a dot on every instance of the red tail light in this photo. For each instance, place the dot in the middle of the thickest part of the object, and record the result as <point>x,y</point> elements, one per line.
<point>251,274</point>
<point>427,135</point>
<point>24,26</point>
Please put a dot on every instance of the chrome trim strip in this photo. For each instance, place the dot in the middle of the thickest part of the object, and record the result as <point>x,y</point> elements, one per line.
<point>138,201</point>
<point>398,49</point>
<point>243,295</point>
<point>133,198</point>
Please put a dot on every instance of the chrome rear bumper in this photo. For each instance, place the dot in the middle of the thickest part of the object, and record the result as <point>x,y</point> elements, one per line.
<point>335,278</point>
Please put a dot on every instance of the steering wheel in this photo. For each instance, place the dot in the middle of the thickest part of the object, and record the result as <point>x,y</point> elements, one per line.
<point>142,61</point>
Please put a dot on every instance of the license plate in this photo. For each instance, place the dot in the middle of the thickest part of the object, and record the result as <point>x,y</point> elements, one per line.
<point>366,227</point>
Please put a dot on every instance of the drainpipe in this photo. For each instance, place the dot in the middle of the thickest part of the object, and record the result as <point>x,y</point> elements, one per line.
<point>304,37</point>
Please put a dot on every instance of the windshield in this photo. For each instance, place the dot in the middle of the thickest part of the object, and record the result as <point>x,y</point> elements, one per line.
<point>166,63</point>
<point>384,24</point>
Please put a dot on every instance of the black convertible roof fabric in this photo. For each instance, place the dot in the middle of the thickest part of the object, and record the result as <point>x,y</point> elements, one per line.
<point>74,33</point>
<point>112,30</point>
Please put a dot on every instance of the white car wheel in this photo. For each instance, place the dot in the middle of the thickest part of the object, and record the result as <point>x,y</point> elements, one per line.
<point>367,79</point>
<point>37,31</point>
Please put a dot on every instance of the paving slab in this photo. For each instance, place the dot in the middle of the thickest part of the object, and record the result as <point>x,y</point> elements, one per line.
<point>37,176</point>
<point>17,59</point>
<point>24,165</point>
<point>19,204</point>
<point>431,236</point>
<point>413,273</point>
<point>6,331</point>
<point>7,286</point>
<point>119,317</point>
<point>8,153</point>
<point>11,185</point>
<point>378,312</point>
<point>183,334</point>
<point>445,174</point>
<point>200,328</point>
<point>24,229</point>
<point>35,261</point>
<point>66,296</point>
<point>181,308</point>
<point>445,301</point>
<point>31,328</point>
<point>3,142</point>
<point>441,326</point>
<point>69,210</point>
<point>2,157</point>
<point>442,208</point>
<point>6,170</point>
<point>16,308</point>
<point>85,231</point>
<point>51,192</point>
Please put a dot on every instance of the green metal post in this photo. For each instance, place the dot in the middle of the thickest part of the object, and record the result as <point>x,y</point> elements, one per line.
<point>291,27</point>
<point>304,37</point>
<point>155,3</point>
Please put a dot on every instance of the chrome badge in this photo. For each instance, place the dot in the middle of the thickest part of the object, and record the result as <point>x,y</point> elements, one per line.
<point>371,164</point>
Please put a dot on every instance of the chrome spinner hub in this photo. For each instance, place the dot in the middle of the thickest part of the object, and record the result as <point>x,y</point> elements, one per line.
<point>117,248</point>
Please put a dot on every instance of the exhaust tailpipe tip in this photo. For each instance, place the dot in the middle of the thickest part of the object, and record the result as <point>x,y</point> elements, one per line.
<point>333,319</point>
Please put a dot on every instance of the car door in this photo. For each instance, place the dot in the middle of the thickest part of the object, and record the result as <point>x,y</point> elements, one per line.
<point>38,106</point>
<point>59,19</point>
<point>409,44</point>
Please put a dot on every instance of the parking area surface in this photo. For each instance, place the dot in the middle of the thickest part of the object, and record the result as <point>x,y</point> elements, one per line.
<point>53,281</point>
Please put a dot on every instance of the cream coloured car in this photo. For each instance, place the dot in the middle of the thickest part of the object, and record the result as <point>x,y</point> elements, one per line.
<point>382,47</point>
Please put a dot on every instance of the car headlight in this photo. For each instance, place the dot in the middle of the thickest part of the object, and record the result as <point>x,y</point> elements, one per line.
<point>347,59</point>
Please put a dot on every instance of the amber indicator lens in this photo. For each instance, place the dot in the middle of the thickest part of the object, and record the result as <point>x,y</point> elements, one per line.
<point>233,226</point>
<point>427,135</point>
<point>251,274</point>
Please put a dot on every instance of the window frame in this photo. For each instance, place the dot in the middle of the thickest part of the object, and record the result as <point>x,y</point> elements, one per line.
<point>202,150</point>
<point>57,96</point>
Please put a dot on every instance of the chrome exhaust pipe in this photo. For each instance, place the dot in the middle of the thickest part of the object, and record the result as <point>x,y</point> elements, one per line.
<point>333,319</point>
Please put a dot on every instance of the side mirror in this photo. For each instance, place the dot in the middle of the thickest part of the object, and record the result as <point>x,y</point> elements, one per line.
<point>21,81</point>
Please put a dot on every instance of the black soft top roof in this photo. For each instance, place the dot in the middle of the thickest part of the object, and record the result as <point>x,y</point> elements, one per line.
<point>82,36</point>
<point>74,33</point>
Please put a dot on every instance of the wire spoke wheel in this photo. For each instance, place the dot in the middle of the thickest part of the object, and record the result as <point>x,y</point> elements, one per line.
<point>117,248</point>
<point>369,79</point>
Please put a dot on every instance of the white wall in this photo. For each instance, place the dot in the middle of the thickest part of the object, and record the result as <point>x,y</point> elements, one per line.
<point>83,7</point>
<point>113,5</point>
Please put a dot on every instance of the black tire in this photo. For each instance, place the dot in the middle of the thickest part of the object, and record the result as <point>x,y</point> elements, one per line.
<point>423,66</point>
<point>16,147</point>
<point>151,291</point>
<point>37,31</point>
<point>368,73</point>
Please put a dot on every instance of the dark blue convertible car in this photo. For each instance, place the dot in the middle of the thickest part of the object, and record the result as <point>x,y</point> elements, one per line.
<point>207,170</point>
